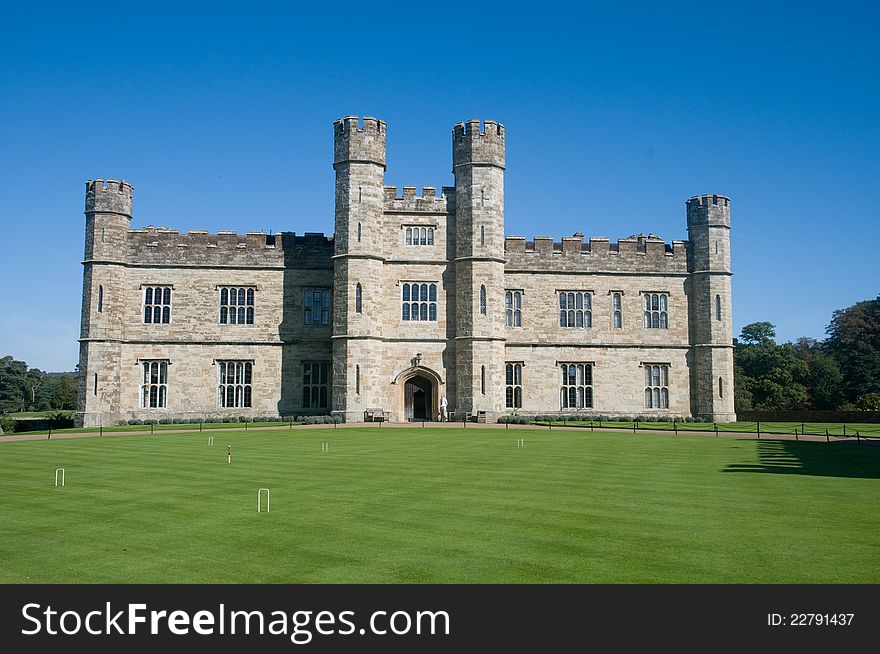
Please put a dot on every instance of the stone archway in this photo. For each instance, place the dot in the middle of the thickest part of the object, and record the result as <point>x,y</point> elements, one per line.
<point>418,399</point>
<point>418,394</point>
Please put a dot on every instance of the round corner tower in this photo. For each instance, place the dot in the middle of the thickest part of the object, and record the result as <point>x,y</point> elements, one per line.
<point>711,325</point>
<point>108,219</point>
<point>478,158</point>
<point>359,162</point>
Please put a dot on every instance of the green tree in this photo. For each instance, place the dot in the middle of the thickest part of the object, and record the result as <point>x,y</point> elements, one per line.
<point>869,402</point>
<point>825,379</point>
<point>854,342</point>
<point>773,375</point>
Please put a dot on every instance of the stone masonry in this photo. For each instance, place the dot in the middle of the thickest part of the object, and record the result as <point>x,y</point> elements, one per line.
<point>328,331</point>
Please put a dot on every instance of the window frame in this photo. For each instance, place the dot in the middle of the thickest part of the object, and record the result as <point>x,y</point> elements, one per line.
<point>582,311</point>
<point>656,393</point>
<point>323,307</point>
<point>426,310</point>
<point>576,386</point>
<point>419,235</point>
<point>225,310</point>
<point>513,301</point>
<point>149,382</point>
<point>240,385</point>
<point>513,384</point>
<point>655,315</point>
<point>316,394</point>
<point>163,307</point>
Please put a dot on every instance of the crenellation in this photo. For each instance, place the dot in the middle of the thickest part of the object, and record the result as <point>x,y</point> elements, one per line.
<point>406,199</point>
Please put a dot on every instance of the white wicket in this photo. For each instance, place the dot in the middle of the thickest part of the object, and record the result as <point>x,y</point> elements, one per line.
<point>325,446</point>
<point>520,442</point>
<point>57,470</point>
<point>210,440</point>
<point>259,498</point>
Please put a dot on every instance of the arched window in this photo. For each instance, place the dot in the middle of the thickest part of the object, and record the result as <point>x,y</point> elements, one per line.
<point>483,380</point>
<point>358,293</point>
<point>100,299</point>
<point>720,387</point>
<point>483,300</point>
<point>482,235</point>
<point>359,232</point>
<point>717,307</point>
<point>96,384</point>
<point>357,379</point>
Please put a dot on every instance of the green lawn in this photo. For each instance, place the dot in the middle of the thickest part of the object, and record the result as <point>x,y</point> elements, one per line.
<point>867,429</point>
<point>445,505</point>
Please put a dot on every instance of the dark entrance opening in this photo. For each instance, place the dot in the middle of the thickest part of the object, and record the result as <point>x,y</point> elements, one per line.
<point>418,399</point>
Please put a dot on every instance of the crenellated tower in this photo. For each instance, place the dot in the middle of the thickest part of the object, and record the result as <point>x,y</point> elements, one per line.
<point>711,327</point>
<point>108,218</point>
<point>478,157</point>
<point>359,162</point>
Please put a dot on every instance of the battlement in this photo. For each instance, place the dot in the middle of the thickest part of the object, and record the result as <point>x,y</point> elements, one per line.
<point>473,143</point>
<point>407,200</point>
<point>708,210</point>
<point>158,245</point>
<point>356,141</point>
<point>109,196</point>
<point>638,252</point>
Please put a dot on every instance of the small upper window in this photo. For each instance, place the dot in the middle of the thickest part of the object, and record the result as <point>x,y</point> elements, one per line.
<point>482,300</point>
<point>236,306</point>
<point>717,307</point>
<point>575,309</point>
<point>358,298</point>
<point>513,303</point>
<point>100,299</point>
<point>617,311</point>
<point>656,306</point>
<point>157,304</point>
<point>419,235</point>
<point>316,307</point>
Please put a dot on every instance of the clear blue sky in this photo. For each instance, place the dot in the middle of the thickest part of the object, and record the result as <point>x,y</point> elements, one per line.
<point>220,116</point>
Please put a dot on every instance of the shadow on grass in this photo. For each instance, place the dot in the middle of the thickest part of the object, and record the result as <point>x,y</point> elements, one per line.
<point>842,459</point>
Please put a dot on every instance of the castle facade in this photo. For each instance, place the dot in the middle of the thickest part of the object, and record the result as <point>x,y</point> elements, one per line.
<point>416,297</point>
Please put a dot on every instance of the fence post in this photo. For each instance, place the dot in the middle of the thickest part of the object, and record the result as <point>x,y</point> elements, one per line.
<point>716,429</point>
<point>50,433</point>
<point>844,429</point>
<point>827,438</point>
<point>759,429</point>
<point>858,437</point>
<point>796,434</point>
<point>675,426</point>
<point>151,429</point>
<point>803,431</point>
<point>635,424</point>
<point>591,425</point>
<point>200,426</point>
<point>100,430</point>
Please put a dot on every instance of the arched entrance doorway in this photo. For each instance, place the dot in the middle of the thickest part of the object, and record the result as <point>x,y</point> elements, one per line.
<point>418,398</point>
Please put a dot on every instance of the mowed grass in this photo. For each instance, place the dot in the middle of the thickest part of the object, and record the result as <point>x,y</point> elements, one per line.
<point>439,505</point>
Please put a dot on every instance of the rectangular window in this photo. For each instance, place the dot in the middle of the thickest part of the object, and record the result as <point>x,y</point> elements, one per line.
<point>316,303</point>
<point>575,309</point>
<point>656,386</point>
<point>513,303</point>
<point>236,305</point>
<point>513,386</point>
<point>157,304</point>
<point>617,310</point>
<point>316,385</point>
<point>154,389</point>
<point>234,389</point>
<point>417,235</point>
<point>576,391</point>
<point>418,301</point>
<point>656,310</point>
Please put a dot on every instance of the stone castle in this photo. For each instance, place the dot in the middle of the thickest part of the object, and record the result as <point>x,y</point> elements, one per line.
<point>416,297</point>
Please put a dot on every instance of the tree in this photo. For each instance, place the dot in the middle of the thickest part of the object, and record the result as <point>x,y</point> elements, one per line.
<point>854,342</point>
<point>869,402</point>
<point>758,333</point>
<point>772,374</point>
<point>825,379</point>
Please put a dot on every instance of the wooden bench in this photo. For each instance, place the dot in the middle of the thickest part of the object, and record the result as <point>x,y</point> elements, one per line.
<point>376,414</point>
<point>461,416</point>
